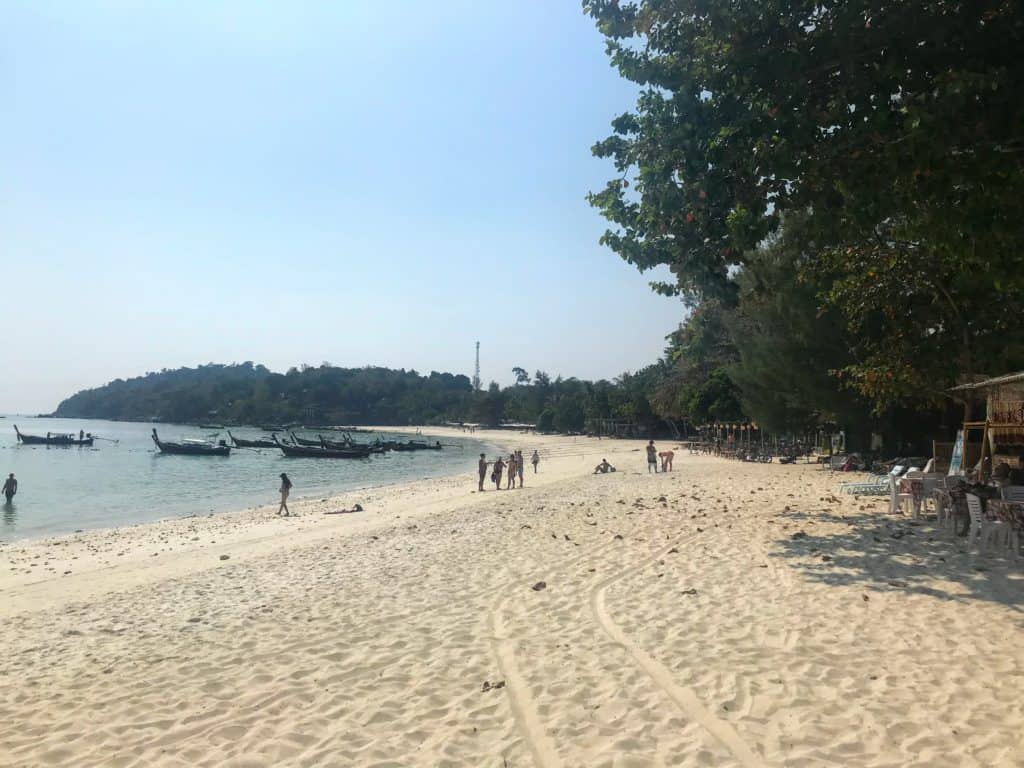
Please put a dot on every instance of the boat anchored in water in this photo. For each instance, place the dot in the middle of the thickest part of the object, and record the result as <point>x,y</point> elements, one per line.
<point>65,440</point>
<point>260,443</point>
<point>323,452</point>
<point>192,447</point>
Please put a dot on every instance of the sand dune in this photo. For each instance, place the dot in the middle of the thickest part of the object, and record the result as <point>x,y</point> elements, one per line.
<point>682,622</point>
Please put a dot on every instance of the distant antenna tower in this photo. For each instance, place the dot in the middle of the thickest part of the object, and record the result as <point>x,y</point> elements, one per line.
<point>476,372</point>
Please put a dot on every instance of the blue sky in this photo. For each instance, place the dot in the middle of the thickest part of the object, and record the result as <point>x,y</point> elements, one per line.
<point>358,182</point>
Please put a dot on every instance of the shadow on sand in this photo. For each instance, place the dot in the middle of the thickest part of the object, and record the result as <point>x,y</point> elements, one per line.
<point>881,552</point>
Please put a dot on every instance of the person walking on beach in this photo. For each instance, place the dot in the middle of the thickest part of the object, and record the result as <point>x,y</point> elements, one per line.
<point>499,466</point>
<point>652,458</point>
<point>482,469</point>
<point>520,462</point>
<point>511,471</point>
<point>535,460</point>
<point>10,487</point>
<point>286,487</point>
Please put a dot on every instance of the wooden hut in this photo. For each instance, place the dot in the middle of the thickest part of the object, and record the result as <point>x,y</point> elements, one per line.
<point>993,430</point>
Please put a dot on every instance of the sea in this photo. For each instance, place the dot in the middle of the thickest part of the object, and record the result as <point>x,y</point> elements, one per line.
<point>124,480</point>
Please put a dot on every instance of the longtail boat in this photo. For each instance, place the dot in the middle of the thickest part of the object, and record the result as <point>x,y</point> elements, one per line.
<point>306,441</point>
<point>242,443</point>
<point>308,452</point>
<point>350,445</point>
<point>60,440</point>
<point>412,445</point>
<point>192,447</point>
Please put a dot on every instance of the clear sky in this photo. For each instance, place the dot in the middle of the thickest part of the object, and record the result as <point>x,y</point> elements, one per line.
<point>353,181</point>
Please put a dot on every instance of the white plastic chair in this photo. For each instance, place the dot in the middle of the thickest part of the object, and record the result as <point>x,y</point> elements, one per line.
<point>1014,493</point>
<point>897,499</point>
<point>915,504</point>
<point>982,529</point>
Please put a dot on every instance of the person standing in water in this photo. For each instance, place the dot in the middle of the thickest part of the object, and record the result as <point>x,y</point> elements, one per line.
<point>652,458</point>
<point>535,460</point>
<point>482,469</point>
<point>10,487</point>
<point>286,487</point>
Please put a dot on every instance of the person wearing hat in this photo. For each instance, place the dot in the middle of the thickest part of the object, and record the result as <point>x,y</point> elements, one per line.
<point>286,486</point>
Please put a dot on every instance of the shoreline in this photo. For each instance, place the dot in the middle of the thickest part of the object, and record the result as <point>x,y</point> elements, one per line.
<point>234,500</point>
<point>726,613</point>
<point>56,568</point>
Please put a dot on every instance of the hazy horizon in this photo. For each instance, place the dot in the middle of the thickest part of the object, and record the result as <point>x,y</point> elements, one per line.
<point>364,185</point>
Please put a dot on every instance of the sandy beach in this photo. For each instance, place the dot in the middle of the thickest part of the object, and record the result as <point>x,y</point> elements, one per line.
<point>723,614</point>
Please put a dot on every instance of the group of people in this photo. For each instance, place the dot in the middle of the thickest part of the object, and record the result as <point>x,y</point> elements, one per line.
<point>653,457</point>
<point>514,466</point>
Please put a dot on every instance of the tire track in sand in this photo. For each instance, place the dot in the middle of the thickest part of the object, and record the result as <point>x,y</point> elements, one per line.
<point>685,698</point>
<point>542,747</point>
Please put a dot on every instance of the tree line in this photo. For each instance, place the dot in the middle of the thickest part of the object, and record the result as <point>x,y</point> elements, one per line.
<point>837,190</point>
<point>249,393</point>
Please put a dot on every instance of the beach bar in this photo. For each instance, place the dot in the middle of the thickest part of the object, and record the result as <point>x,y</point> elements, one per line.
<point>993,427</point>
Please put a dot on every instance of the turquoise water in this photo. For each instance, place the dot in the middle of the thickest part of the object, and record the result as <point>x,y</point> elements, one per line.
<point>61,490</point>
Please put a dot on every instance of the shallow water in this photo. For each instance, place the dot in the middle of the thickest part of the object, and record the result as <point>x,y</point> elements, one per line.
<point>61,490</point>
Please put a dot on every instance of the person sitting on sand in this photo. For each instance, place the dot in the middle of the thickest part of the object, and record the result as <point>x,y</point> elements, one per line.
<point>603,468</point>
<point>666,460</point>
<point>482,469</point>
<point>10,487</point>
<point>286,487</point>
<point>499,467</point>
<point>511,471</point>
<point>652,458</point>
<point>535,460</point>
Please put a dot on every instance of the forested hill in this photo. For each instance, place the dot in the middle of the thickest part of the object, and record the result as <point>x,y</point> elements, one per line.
<point>252,394</point>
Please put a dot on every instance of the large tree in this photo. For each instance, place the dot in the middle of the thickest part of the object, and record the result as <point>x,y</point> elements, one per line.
<point>897,127</point>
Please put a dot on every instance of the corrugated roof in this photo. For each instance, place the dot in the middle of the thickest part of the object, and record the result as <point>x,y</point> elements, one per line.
<point>1008,378</point>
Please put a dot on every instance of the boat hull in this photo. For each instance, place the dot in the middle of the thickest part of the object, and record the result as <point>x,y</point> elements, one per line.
<point>58,441</point>
<point>186,449</point>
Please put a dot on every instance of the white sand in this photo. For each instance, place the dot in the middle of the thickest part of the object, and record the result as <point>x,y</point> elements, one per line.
<point>705,635</point>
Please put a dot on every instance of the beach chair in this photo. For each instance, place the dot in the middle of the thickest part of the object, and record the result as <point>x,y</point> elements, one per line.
<point>929,482</point>
<point>982,529</point>
<point>896,498</point>
<point>875,485</point>
<point>916,495</point>
<point>1013,493</point>
<point>836,462</point>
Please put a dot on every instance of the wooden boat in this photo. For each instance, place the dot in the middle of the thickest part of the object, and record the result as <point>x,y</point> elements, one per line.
<point>242,443</point>
<point>350,445</point>
<point>192,447</point>
<point>272,428</point>
<point>60,440</point>
<point>308,452</point>
<point>412,445</point>
<point>318,443</point>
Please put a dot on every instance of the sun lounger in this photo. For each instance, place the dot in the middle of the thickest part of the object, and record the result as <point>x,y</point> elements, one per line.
<point>876,485</point>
